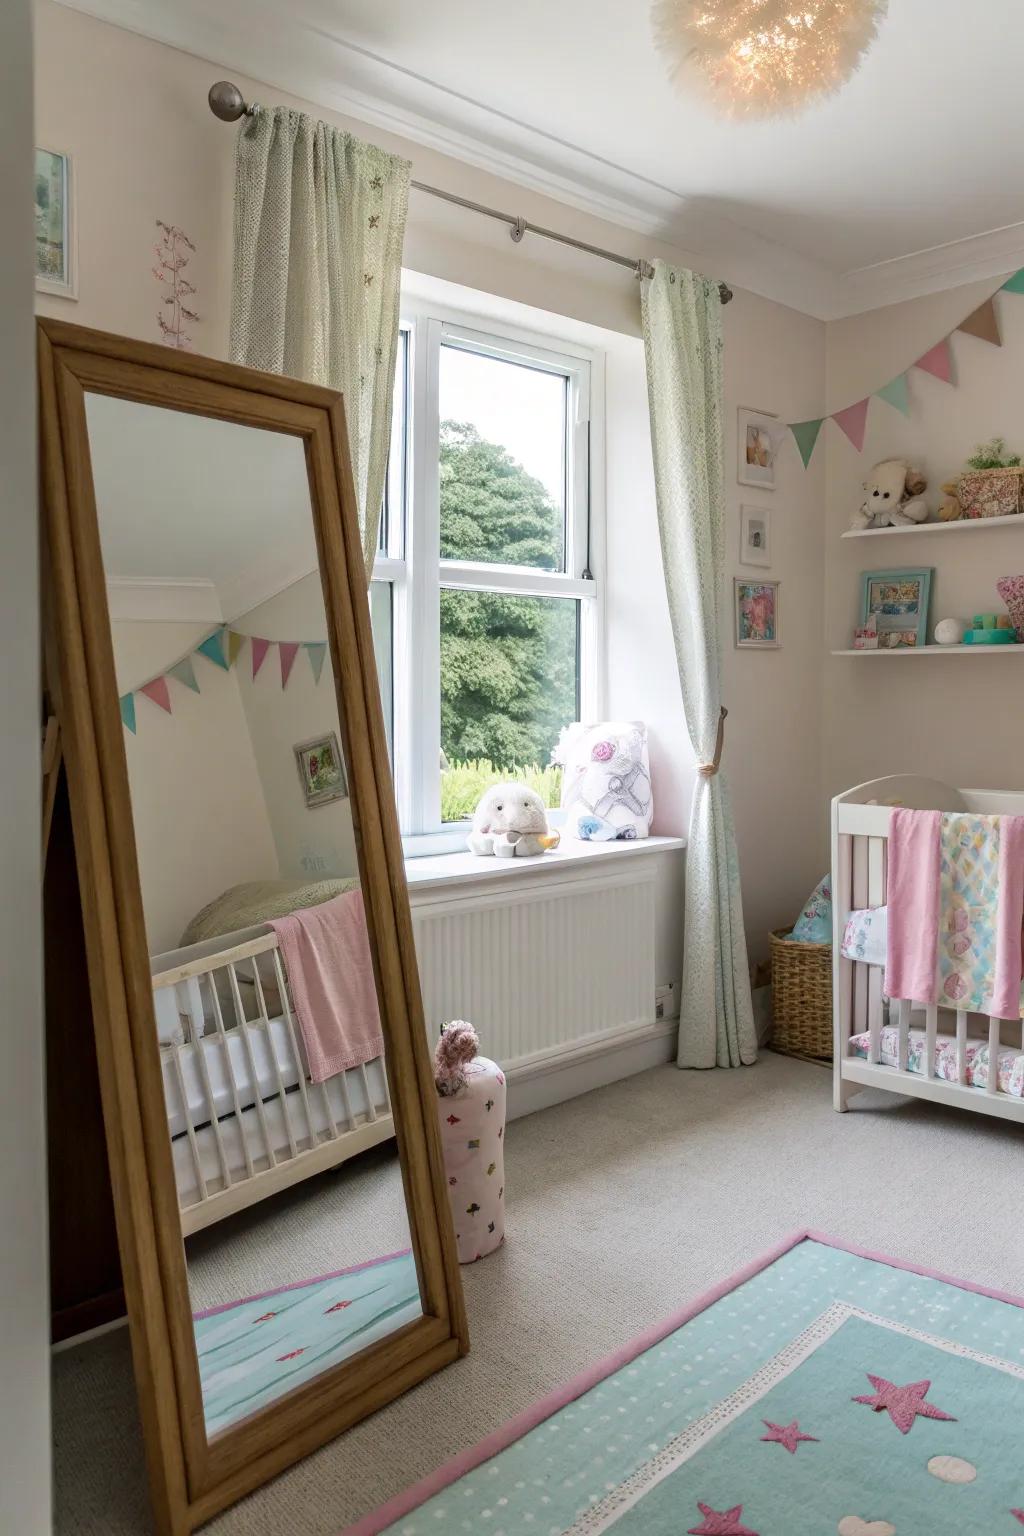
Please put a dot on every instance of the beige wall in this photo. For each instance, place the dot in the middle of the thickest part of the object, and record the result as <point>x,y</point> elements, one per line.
<point>201,824</point>
<point>957,717</point>
<point>133,112</point>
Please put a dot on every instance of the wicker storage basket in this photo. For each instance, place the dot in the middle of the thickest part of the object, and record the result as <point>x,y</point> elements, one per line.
<point>991,492</point>
<point>801,996</point>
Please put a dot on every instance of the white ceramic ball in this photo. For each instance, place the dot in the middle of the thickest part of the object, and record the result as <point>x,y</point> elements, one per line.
<point>950,632</point>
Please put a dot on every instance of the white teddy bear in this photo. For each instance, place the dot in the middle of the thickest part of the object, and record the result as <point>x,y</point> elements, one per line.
<point>511,822</point>
<point>892,496</point>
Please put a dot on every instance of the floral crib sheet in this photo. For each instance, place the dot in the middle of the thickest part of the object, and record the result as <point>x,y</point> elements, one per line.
<point>1011,1062</point>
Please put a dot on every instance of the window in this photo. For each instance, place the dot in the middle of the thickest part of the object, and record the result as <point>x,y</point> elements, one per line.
<point>485,583</point>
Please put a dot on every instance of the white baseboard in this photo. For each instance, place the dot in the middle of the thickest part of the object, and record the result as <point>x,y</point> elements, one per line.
<point>565,1071</point>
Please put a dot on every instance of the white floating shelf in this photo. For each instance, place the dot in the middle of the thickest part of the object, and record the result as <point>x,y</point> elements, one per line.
<point>954,527</point>
<point>942,650</point>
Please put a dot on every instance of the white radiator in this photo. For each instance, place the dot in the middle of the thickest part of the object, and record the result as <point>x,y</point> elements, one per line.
<point>545,966</point>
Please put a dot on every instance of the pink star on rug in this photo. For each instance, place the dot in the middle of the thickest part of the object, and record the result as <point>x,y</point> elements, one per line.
<point>903,1404</point>
<point>720,1522</point>
<point>788,1435</point>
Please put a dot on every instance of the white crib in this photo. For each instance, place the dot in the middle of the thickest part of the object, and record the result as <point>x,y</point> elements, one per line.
<point>860,830</point>
<point>244,1119</point>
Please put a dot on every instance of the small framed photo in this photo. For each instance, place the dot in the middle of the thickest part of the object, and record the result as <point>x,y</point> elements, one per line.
<point>757,614</point>
<point>757,439</point>
<point>56,263</point>
<point>321,770</point>
<point>755,536</point>
<point>895,604</point>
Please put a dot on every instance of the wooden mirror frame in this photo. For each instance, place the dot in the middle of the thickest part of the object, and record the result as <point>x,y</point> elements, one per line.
<point>193,1477</point>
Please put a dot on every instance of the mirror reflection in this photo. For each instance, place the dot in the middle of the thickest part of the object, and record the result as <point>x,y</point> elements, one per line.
<point>267,1025</point>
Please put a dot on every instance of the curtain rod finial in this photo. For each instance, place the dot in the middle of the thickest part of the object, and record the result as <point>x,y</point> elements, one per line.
<point>226,101</point>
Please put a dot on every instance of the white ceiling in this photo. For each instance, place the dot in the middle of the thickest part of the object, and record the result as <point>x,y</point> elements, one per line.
<point>198,518</point>
<point>911,179</point>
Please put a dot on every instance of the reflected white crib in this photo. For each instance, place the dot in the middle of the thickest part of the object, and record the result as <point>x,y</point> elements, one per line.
<point>245,1120</point>
<point>860,830</point>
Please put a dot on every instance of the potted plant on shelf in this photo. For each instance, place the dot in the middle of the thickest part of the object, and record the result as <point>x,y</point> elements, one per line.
<point>992,485</point>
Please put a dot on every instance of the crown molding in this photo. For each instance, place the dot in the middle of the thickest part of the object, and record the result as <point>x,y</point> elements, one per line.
<point>971,259</point>
<point>163,600</point>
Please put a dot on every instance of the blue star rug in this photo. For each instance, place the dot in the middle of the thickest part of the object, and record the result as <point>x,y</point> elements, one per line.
<point>821,1390</point>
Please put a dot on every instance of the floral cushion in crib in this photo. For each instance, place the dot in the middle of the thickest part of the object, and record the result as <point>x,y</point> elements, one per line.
<point>1011,1063</point>
<point>865,935</point>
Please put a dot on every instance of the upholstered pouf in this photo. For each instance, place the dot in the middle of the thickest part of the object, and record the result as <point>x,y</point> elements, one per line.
<point>471,1107</point>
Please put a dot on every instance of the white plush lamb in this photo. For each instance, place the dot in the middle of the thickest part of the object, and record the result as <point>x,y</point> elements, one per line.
<point>511,822</point>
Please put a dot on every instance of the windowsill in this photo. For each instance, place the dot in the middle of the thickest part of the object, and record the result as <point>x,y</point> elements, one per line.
<point>467,868</point>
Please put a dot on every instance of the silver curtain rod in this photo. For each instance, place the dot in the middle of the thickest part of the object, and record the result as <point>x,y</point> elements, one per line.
<point>228,103</point>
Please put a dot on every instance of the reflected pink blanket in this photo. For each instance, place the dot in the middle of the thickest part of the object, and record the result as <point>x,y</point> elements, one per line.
<point>912,896</point>
<point>327,956</point>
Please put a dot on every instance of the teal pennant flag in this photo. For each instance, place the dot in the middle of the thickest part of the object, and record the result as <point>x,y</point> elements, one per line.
<point>896,394</point>
<point>127,703</point>
<point>184,672</point>
<point>316,650</point>
<point>1014,284</point>
<point>213,649</point>
<point>806,434</point>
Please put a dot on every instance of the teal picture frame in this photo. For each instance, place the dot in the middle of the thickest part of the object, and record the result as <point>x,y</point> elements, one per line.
<point>899,602</point>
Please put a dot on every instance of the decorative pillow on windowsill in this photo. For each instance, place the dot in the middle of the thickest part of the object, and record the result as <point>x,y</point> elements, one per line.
<point>606,780</point>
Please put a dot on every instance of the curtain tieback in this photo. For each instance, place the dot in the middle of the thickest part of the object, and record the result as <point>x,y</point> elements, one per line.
<point>708,770</point>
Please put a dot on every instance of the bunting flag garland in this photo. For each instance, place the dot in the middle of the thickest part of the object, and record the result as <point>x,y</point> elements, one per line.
<point>213,649</point>
<point>853,420</point>
<point>316,650</point>
<point>982,323</point>
<point>259,653</point>
<point>289,649</point>
<point>184,672</point>
<point>158,691</point>
<point>938,360</point>
<point>223,648</point>
<point>895,394</point>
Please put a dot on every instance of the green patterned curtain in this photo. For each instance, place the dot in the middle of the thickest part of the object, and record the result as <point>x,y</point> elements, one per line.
<point>319,226</point>
<point>682,326</point>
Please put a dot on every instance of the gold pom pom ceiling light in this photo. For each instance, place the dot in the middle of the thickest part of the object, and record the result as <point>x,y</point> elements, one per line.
<point>763,58</point>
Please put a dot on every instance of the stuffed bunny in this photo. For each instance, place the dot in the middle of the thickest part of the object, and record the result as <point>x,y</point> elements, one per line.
<point>510,822</point>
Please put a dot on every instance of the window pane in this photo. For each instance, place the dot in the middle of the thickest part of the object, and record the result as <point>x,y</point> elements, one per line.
<point>503,461</point>
<point>381,622</point>
<point>509,683</point>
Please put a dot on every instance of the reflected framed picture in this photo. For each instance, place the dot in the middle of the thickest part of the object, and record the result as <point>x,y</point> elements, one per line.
<point>895,604</point>
<point>758,435</point>
<point>56,264</point>
<point>321,770</point>
<point>757,614</point>
<point>755,536</point>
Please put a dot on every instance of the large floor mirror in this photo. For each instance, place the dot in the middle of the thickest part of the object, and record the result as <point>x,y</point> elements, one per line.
<point>251,968</point>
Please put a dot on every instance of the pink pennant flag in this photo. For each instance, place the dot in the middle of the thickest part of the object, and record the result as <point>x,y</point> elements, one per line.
<point>157,691</point>
<point>853,420</point>
<point>289,650</point>
<point>938,360</point>
<point>259,652</point>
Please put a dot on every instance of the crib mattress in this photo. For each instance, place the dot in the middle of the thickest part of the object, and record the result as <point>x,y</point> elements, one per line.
<point>227,1057</point>
<point>1010,1067</point>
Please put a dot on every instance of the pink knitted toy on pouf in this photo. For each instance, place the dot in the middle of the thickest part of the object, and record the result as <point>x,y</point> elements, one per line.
<point>472,1115</point>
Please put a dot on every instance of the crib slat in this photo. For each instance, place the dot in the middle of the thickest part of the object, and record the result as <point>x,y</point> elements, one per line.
<point>204,1073</point>
<point>860,878</point>
<point>286,1009</point>
<point>370,1106</point>
<point>243,1030</point>
<point>229,1072</point>
<point>904,1038</point>
<point>842,968</point>
<point>992,1086</point>
<point>190,1129</point>
<point>931,1030</point>
<point>346,1099</point>
<point>961,1047</point>
<point>265,1023</point>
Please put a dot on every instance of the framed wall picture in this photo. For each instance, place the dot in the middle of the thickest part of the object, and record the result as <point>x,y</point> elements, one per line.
<point>321,770</point>
<point>755,536</point>
<point>895,605</point>
<point>56,263</point>
<point>758,436</point>
<point>757,614</point>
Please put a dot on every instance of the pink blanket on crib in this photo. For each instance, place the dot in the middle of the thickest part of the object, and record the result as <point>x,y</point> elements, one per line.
<point>955,910</point>
<point>327,955</point>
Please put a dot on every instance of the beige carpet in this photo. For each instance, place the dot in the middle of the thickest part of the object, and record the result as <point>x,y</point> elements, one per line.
<point>622,1205</point>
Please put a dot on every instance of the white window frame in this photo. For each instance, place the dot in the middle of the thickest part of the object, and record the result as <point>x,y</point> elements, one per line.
<point>417,573</point>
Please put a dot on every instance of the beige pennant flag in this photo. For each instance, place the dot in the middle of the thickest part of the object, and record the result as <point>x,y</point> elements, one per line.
<point>235,643</point>
<point>983,323</point>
